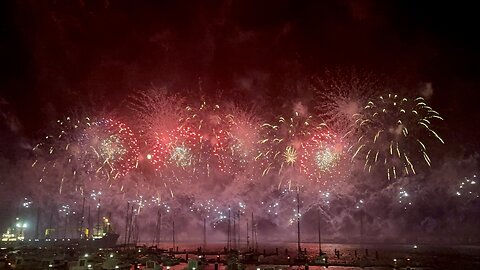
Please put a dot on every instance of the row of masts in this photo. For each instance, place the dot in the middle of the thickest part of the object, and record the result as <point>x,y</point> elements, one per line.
<point>102,223</point>
<point>73,226</point>
<point>233,238</point>
<point>131,235</point>
<point>131,226</point>
<point>233,234</point>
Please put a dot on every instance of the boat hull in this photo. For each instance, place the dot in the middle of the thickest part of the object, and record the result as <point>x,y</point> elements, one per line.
<point>108,241</point>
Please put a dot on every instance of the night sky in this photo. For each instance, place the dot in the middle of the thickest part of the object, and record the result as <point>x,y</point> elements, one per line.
<point>58,55</point>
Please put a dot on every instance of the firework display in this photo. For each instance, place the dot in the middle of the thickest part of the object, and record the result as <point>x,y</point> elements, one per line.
<point>62,155</point>
<point>243,138</point>
<point>84,150</point>
<point>212,125</point>
<point>284,139</point>
<point>321,154</point>
<point>156,111</point>
<point>209,140</point>
<point>175,148</point>
<point>393,131</point>
<point>214,159</point>
<point>341,94</point>
<point>115,146</point>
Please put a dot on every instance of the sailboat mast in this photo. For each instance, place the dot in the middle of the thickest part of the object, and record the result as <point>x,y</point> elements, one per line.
<point>126,224</point>
<point>361,227</point>
<point>234,232</point>
<point>137,233</point>
<point>248,240</point>
<point>160,229</point>
<point>89,223</point>
<point>238,229</point>
<point>204,234</point>
<point>155,235</point>
<point>319,234</point>
<point>98,217</point>
<point>298,222</point>
<point>173,235</point>
<point>37,224</point>
<point>109,223</point>
<point>253,234</point>
<point>228,231</point>
<point>50,224</point>
<point>65,226</point>
<point>82,220</point>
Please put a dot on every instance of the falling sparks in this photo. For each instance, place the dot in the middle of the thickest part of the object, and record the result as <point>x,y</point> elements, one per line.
<point>85,149</point>
<point>290,155</point>
<point>468,188</point>
<point>404,198</point>
<point>322,154</point>
<point>341,95</point>
<point>392,132</point>
<point>181,156</point>
<point>283,140</point>
<point>117,147</point>
<point>175,148</point>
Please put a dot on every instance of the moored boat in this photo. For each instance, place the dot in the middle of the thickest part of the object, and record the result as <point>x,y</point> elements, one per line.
<point>113,262</point>
<point>152,265</point>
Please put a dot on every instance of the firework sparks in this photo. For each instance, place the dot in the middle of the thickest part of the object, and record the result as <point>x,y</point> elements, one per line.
<point>284,139</point>
<point>404,198</point>
<point>391,132</point>
<point>181,156</point>
<point>341,95</point>
<point>84,150</point>
<point>226,137</point>
<point>321,155</point>
<point>290,155</point>
<point>157,111</point>
<point>468,188</point>
<point>27,203</point>
<point>116,147</point>
<point>243,137</point>
<point>217,211</point>
<point>212,125</point>
<point>176,148</point>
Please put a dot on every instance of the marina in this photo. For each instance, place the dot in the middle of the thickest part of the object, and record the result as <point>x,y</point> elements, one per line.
<point>337,256</point>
